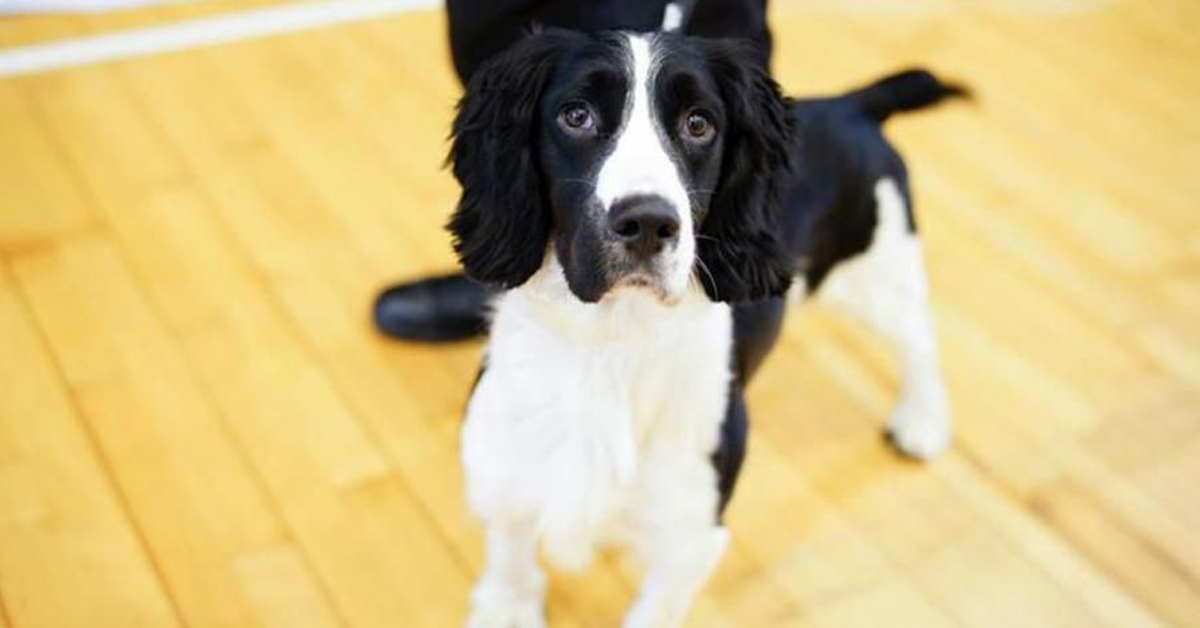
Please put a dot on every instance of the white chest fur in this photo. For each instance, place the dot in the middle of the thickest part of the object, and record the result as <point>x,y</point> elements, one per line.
<point>595,423</point>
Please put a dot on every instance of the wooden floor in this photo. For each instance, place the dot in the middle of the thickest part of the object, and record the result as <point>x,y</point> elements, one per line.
<point>198,426</point>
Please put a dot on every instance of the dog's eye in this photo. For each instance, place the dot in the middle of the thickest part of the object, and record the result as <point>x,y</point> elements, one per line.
<point>698,126</point>
<point>577,119</point>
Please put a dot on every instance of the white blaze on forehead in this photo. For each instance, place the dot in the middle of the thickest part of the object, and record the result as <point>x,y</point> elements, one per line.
<point>672,17</point>
<point>640,163</point>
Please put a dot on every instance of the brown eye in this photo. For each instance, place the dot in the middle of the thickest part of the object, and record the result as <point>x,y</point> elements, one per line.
<point>577,118</point>
<point>698,125</point>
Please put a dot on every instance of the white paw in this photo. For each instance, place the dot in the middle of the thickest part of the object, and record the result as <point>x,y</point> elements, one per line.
<point>920,428</point>
<point>498,605</point>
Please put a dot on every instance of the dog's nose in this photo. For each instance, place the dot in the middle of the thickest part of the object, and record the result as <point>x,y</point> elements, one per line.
<point>645,224</point>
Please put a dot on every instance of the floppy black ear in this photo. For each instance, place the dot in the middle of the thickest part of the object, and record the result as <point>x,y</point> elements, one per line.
<point>743,249</point>
<point>502,222</point>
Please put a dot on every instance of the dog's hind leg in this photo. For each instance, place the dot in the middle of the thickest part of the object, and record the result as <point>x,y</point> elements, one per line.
<point>511,591</point>
<point>886,287</point>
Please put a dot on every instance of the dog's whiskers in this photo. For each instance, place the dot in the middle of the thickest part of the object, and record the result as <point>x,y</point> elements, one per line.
<point>591,182</point>
<point>704,267</point>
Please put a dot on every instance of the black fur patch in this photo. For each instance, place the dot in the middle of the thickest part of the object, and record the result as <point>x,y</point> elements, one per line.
<point>502,223</point>
<point>731,451</point>
<point>740,244</point>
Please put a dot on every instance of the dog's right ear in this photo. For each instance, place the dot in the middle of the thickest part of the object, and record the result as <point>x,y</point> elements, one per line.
<point>502,224</point>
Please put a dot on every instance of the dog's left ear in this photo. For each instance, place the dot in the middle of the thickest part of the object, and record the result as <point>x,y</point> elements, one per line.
<point>742,246</point>
<point>502,224</point>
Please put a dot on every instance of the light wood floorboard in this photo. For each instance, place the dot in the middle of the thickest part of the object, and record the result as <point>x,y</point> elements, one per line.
<point>198,426</point>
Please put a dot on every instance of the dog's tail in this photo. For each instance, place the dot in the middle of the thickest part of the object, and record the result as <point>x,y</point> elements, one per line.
<point>906,91</point>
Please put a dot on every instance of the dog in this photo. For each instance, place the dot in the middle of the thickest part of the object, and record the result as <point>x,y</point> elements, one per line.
<point>645,202</point>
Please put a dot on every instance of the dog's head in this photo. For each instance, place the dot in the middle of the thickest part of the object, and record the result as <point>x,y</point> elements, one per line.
<point>639,161</point>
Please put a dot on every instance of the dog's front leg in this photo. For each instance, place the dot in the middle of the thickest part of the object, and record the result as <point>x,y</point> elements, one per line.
<point>677,571</point>
<point>511,592</point>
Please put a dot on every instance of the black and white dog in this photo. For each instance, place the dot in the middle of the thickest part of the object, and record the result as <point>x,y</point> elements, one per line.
<point>645,201</point>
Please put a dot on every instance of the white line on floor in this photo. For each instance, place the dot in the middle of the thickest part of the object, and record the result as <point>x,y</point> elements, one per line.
<point>45,7</point>
<point>274,20</point>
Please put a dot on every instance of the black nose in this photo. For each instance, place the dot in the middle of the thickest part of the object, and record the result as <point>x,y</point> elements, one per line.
<point>645,224</point>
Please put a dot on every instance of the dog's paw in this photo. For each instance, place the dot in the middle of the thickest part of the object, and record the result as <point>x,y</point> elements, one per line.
<point>919,429</point>
<point>497,605</point>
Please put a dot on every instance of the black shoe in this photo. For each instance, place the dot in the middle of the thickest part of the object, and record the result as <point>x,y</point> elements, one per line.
<point>436,309</point>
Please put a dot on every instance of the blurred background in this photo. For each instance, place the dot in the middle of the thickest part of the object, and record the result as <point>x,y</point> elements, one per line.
<point>199,426</point>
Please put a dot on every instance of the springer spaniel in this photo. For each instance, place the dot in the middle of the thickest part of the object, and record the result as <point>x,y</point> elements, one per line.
<point>645,201</point>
